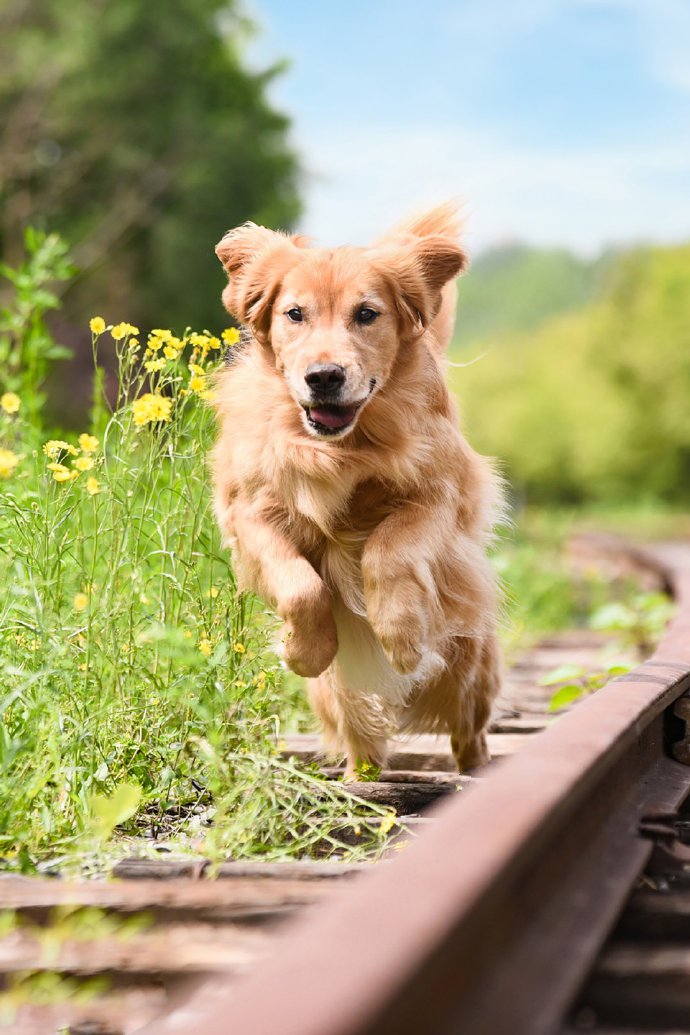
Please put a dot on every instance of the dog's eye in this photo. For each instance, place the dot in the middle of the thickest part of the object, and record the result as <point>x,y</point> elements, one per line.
<point>294,314</point>
<point>365,314</point>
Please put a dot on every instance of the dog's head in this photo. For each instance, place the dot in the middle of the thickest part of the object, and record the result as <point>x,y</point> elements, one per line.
<point>335,320</point>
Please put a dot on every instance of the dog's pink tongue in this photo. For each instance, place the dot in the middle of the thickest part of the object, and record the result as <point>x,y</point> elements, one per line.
<point>332,416</point>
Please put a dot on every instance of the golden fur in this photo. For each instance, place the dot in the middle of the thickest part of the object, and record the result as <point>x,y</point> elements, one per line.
<point>368,538</point>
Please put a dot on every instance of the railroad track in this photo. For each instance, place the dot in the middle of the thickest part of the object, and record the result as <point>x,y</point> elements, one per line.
<point>504,912</point>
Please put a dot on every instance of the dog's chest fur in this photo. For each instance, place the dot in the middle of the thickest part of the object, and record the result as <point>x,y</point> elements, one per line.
<point>332,522</point>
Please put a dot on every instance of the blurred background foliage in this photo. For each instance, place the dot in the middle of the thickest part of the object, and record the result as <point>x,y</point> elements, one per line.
<point>588,404</point>
<point>140,134</point>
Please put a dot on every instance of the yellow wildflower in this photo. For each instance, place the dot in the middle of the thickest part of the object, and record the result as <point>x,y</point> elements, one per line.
<point>61,473</point>
<point>159,337</point>
<point>133,345</point>
<point>84,463</point>
<point>80,601</point>
<point>213,592</point>
<point>194,368</point>
<point>170,352</point>
<point>197,383</point>
<point>205,647</point>
<point>89,443</point>
<point>8,462</point>
<point>123,330</point>
<point>230,336</point>
<point>199,340</point>
<point>55,446</point>
<point>97,324</point>
<point>10,402</point>
<point>151,407</point>
<point>93,486</point>
<point>239,648</point>
<point>154,364</point>
<point>214,342</point>
<point>387,824</point>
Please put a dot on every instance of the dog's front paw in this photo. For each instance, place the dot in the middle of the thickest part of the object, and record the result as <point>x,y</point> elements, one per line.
<point>309,635</point>
<point>308,653</point>
<point>403,652</point>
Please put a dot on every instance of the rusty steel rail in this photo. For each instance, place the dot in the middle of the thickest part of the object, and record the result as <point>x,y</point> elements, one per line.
<point>489,921</point>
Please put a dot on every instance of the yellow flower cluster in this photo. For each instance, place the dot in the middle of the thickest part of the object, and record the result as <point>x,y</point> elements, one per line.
<point>152,365</point>
<point>123,330</point>
<point>159,338</point>
<point>54,446</point>
<point>8,462</point>
<point>10,402</point>
<point>203,343</point>
<point>163,347</point>
<point>61,473</point>
<point>57,450</point>
<point>150,408</point>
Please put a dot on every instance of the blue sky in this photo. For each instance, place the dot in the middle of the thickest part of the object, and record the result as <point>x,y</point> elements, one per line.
<point>555,121</point>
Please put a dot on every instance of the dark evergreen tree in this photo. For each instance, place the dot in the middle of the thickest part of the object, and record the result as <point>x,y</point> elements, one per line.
<point>138,132</point>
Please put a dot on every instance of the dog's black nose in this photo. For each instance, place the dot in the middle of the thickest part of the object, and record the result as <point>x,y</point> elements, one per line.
<point>323,378</point>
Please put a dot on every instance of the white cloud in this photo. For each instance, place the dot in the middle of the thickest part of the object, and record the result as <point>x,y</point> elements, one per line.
<point>366,175</point>
<point>581,198</point>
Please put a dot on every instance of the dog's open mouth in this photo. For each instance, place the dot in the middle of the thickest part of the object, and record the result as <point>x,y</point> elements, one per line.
<point>329,419</point>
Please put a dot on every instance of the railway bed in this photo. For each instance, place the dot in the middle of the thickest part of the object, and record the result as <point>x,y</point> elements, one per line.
<point>548,892</point>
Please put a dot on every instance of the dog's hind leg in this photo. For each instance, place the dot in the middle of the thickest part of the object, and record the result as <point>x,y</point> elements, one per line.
<point>346,722</point>
<point>323,705</point>
<point>459,700</point>
<point>468,733</point>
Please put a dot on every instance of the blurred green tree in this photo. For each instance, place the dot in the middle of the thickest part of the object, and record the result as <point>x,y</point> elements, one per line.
<point>515,287</point>
<point>138,132</point>
<point>593,404</point>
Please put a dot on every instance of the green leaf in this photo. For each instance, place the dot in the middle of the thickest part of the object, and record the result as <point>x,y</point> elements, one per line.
<point>617,669</point>
<point>108,812</point>
<point>612,617</point>
<point>565,696</point>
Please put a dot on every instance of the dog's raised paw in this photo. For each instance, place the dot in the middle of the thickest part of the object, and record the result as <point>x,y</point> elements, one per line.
<point>405,656</point>
<point>306,655</point>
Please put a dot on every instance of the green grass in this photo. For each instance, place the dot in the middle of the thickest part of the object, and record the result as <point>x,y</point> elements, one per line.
<point>544,593</point>
<point>139,694</point>
<point>139,689</point>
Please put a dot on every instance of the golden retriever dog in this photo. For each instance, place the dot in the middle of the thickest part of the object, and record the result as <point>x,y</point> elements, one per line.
<point>352,503</point>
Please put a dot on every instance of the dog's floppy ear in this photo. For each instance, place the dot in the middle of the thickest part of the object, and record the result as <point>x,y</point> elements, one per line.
<point>256,260</point>
<point>420,270</point>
